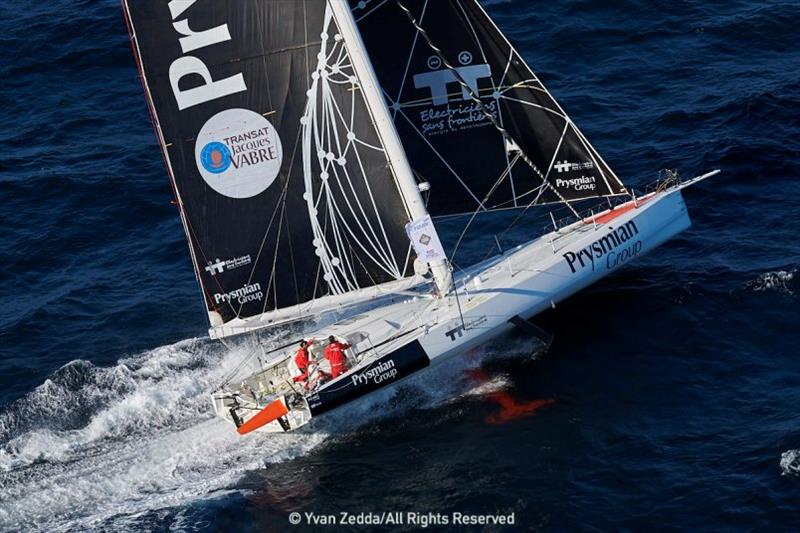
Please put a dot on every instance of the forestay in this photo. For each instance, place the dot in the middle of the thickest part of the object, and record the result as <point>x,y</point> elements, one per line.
<point>450,142</point>
<point>283,184</point>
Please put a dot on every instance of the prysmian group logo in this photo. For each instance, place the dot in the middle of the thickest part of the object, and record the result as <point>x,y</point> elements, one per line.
<point>584,183</point>
<point>609,246</point>
<point>382,372</point>
<point>215,157</point>
<point>238,153</point>
<point>250,292</point>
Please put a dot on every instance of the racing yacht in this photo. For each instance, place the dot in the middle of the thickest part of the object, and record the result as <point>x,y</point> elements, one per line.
<point>313,147</point>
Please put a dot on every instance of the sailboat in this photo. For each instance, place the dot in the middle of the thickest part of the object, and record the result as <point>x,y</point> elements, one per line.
<point>314,146</point>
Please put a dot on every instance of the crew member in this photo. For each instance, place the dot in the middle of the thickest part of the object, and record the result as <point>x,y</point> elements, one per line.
<point>334,353</point>
<point>302,360</point>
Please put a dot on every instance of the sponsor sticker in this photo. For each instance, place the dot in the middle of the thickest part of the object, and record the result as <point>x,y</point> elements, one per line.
<point>251,292</point>
<point>566,166</point>
<point>218,267</point>
<point>238,153</point>
<point>450,110</point>
<point>388,369</point>
<point>425,240</point>
<point>616,247</point>
<point>584,183</point>
<point>458,331</point>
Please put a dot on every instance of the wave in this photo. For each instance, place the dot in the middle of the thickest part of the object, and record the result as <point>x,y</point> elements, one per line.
<point>95,445</point>
<point>780,281</point>
<point>790,463</point>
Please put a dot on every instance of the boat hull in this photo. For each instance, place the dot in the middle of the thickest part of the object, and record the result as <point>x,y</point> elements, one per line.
<point>529,284</point>
<point>517,285</point>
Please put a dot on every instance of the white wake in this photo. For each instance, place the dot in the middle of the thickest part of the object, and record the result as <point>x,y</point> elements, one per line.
<point>790,463</point>
<point>781,281</point>
<point>93,444</point>
<point>142,438</point>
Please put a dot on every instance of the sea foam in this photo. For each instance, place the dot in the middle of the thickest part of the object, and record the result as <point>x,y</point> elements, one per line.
<point>790,462</point>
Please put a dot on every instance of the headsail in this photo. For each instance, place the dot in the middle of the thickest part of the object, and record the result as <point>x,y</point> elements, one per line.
<point>285,189</point>
<point>450,142</point>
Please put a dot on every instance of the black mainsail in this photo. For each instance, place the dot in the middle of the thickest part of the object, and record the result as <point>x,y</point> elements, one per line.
<point>285,190</point>
<point>449,140</point>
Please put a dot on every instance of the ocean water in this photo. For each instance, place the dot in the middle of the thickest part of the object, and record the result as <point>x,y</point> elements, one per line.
<point>669,399</point>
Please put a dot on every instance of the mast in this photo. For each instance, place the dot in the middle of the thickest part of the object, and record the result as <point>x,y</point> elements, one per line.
<point>376,103</point>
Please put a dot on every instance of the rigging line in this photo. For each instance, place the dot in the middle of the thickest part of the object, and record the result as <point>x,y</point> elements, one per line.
<point>386,268</point>
<point>443,160</point>
<point>497,183</point>
<point>504,205</point>
<point>389,257</point>
<point>407,261</point>
<point>228,377</point>
<point>595,155</point>
<point>368,13</point>
<point>505,72</point>
<point>305,39</point>
<point>408,62</point>
<point>281,199</point>
<point>427,100</point>
<point>367,145</point>
<point>543,108</point>
<point>495,90</point>
<point>558,106</point>
<point>378,250</point>
<point>366,270</point>
<point>338,243</point>
<point>478,101</point>
<point>524,84</point>
<point>390,260</point>
<point>458,300</point>
<point>517,219</point>
<point>474,36</point>
<point>558,147</point>
<point>273,277</point>
<point>291,259</point>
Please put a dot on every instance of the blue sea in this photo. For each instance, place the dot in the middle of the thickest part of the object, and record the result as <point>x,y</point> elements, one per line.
<point>669,399</point>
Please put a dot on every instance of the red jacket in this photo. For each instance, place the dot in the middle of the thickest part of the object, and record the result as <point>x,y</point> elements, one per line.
<point>334,353</point>
<point>301,360</point>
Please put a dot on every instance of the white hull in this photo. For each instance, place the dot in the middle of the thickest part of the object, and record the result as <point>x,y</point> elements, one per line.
<point>393,341</point>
